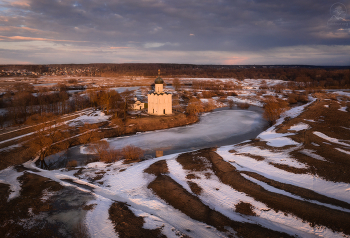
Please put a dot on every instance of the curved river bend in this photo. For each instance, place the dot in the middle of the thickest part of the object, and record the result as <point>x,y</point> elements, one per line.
<point>218,128</point>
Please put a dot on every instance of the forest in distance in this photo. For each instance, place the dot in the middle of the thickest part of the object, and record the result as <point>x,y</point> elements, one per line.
<point>314,76</point>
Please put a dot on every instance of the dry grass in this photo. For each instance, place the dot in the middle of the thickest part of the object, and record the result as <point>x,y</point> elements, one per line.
<point>312,213</point>
<point>195,188</point>
<point>245,208</point>
<point>175,195</point>
<point>127,224</point>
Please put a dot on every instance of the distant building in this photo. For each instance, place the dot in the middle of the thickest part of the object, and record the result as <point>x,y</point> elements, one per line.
<point>137,105</point>
<point>159,102</point>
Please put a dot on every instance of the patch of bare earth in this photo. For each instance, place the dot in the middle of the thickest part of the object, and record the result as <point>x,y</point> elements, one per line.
<point>335,165</point>
<point>157,168</point>
<point>331,122</point>
<point>43,209</point>
<point>302,192</point>
<point>127,225</point>
<point>245,208</point>
<point>175,195</point>
<point>310,212</point>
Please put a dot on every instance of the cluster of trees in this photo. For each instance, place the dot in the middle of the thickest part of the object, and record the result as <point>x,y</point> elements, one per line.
<point>111,102</point>
<point>196,106</point>
<point>214,85</point>
<point>21,102</point>
<point>107,154</point>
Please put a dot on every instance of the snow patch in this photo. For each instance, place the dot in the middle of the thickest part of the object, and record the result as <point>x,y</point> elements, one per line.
<point>344,151</point>
<point>90,118</point>
<point>308,181</point>
<point>311,154</point>
<point>330,139</point>
<point>97,220</point>
<point>9,176</point>
<point>343,109</point>
<point>299,127</point>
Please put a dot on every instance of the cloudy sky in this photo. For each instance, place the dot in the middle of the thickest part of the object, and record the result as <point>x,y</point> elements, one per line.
<point>175,31</point>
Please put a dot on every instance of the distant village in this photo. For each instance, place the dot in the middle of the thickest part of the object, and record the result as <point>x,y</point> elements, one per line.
<point>50,71</point>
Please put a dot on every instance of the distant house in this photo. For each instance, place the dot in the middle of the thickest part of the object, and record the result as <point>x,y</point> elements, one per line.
<point>137,105</point>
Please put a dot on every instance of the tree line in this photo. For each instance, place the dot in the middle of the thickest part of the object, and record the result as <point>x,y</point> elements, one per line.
<point>329,77</point>
<point>24,105</point>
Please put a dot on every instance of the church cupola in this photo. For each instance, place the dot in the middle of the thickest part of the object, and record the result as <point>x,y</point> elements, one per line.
<point>158,83</point>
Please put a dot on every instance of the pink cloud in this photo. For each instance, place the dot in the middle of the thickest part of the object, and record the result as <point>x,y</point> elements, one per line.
<point>20,3</point>
<point>113,48</point>
<point>25,38</point>
<point>235,60</point>
<point>15,28</point>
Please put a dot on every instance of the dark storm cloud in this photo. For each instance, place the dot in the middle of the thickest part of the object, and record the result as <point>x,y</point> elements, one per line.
<point>182,25</point>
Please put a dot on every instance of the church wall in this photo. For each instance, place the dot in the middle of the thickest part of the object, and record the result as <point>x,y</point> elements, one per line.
<point>159,103</point>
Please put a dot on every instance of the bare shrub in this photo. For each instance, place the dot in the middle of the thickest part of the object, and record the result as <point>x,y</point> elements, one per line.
<point>208,106</point>
<point>104,152</point>
<point>273,108</point>
<point>194,107</point>
<point>176,84</point>
<point>231,94</point>
<point>292,98</point>
<point>303,98</point>
<point>72,81</point>
<point>230,103</point>
<point>243,105</point>
<point>131,152</point>
<point>208,94</point>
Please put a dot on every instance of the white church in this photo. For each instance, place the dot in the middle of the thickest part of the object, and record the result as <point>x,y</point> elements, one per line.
<point>159,102</point>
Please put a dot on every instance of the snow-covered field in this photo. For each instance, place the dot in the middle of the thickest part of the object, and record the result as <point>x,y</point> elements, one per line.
<point>129,183</point>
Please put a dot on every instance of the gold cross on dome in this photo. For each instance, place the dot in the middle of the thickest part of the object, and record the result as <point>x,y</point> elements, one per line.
<point>158,72</point>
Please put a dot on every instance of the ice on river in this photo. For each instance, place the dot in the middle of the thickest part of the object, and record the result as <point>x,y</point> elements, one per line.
<point>212,128</point>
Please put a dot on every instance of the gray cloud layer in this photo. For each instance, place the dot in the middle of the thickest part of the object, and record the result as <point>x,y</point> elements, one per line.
<point>181,31</point>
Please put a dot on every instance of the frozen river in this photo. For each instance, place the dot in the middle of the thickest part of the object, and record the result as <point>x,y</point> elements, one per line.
<point>218,128</point>
<point>213,129</point>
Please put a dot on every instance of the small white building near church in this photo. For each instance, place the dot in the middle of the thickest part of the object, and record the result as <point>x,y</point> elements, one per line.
<point>137,105</point>
<point>159,102</point>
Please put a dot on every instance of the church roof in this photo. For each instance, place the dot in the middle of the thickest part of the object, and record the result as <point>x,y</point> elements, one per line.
<point>159,80</point>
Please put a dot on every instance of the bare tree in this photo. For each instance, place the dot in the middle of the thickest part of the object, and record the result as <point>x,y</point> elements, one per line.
<point>273,108</point>
<point>230,103</point>
<point>88,133</point>
<point>194,107</point>
<point>176,84</point>
<point>104,151</point>
<point>48,135</point>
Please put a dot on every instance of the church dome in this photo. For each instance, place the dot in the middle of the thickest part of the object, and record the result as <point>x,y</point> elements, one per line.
<point>159,80</point>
